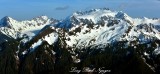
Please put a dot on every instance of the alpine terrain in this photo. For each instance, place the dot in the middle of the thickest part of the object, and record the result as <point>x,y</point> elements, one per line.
<point>96,41</point>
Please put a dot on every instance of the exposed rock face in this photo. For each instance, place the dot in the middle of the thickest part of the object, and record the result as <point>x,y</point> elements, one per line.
<point>88,40</point>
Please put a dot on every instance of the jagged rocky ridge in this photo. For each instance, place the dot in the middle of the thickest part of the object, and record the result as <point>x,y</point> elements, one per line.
<point>93,39</point>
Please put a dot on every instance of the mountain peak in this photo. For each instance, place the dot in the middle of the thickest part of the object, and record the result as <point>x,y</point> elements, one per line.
<point>7,17</point>
<point>5,21</point>
<point>43,17</point>
<point>95,15</point>
<point>90,11</point>
<point>121,14</point>
<point>26,27</point>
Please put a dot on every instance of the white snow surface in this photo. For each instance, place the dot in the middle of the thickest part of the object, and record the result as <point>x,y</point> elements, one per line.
<point>35,45</point>
<point>95,15</point>
<point>157,50</point>
<point>51,38</point>
<point>130,29</point>
<point>126,28</point>
<point>30,28</point>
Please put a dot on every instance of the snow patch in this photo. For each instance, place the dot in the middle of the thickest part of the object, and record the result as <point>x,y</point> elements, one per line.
<point>35,45</point>
<point>51,38</point>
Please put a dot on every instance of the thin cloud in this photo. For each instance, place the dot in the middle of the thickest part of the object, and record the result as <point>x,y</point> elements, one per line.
<point>62,8</point>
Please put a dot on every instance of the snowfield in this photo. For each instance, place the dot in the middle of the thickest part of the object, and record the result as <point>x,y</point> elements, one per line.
<point>90,28</point>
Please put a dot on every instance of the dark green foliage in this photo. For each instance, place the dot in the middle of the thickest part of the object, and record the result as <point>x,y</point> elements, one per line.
<point>117,57</point>
<point>63,63</point>
<point>8,60</point>
<point>40,61</point>
<point>117,61</point>
<point>42,34</point>
<point>3,38</point>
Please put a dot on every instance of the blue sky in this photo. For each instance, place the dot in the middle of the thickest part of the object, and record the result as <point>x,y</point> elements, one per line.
<point>59,9</point>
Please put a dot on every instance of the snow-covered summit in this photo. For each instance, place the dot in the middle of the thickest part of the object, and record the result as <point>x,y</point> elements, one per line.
<point>102,26</point>
<point>5,21</point>
<point>93,27</point>
<point>93,16</point>
<point>14,28</point>
<point>81,38</point>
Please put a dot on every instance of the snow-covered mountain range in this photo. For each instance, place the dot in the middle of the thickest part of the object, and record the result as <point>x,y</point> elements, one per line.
<point>96,26</point>
<point>16,29</point>
<point>102,26</point>
<point>93,29</point>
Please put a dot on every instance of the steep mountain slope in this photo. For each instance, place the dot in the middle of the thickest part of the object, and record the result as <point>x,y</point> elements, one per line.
<point>102,26</point>
<point>18,29</point>
<point>87,40</point>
